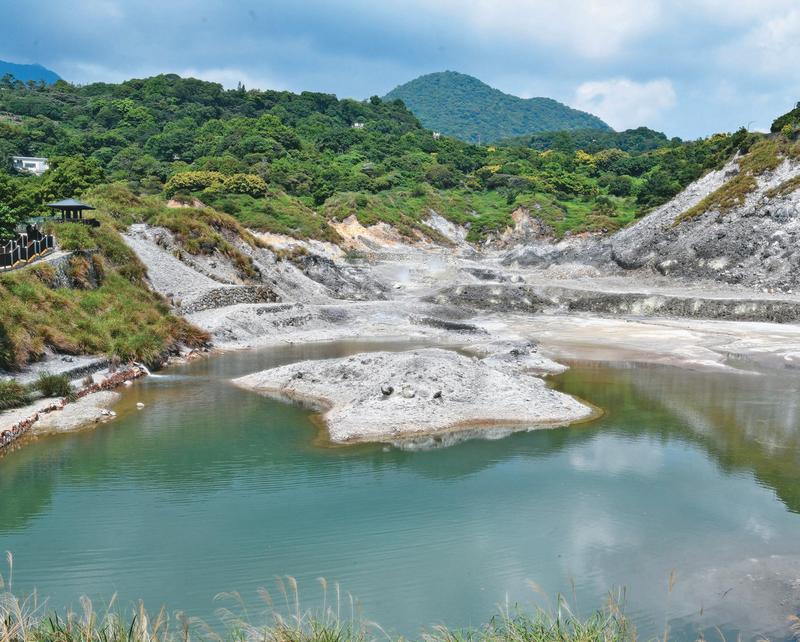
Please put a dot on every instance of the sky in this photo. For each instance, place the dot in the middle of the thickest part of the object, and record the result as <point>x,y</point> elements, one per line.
<point>689,68</point>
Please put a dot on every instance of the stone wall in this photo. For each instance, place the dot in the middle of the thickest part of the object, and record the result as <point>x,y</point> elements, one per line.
<point>225,296</point>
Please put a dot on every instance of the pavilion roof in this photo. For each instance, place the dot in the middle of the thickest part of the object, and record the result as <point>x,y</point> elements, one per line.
<point>70,204</point>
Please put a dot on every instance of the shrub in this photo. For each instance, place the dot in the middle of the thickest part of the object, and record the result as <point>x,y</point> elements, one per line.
<point>245,184</point>
<point>75,236</point>
<point>441,176</point>
<point>53,385</point>
<point>193,181</point>
<point>620,186</point>
<point>215,182</point>
<point>12,394</point>
<point>80,272</point>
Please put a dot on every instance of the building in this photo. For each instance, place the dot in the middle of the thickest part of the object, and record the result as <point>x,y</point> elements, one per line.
<point>358,125</point>
<point>30,164</point>
<point>72,212</point>
<point>436,135</point>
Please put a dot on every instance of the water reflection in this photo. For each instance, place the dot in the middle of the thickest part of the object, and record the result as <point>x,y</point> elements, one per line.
<point>746,422</point>
<point>211,488</point>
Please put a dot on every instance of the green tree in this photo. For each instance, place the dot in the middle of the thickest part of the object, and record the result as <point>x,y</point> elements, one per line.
<point>69,176</point>
<point>8,222</point>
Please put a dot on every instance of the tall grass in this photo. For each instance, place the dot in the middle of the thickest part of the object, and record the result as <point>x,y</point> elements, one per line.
<point>13,394</point>
<point>283,619</point>
<point>53,385</point>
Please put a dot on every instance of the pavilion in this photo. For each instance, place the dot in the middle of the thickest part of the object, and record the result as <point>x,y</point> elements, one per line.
<point>72,211</point>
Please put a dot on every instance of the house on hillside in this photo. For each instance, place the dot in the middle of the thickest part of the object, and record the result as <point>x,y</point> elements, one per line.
<point>30,164</point>
<point>436,135</point>
<point>357,125</point>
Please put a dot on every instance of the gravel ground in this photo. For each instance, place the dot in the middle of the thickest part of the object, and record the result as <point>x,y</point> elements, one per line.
<point>89,410</point>
<point>385,396</point>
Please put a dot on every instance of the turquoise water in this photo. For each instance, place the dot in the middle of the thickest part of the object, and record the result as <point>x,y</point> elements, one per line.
<point>210,488</point>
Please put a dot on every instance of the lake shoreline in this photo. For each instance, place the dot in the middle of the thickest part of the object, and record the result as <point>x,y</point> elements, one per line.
<point>684,343</point>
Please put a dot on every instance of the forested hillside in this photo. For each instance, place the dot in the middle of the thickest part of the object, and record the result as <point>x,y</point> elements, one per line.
<point>291,162</point>
<point>281,162</point>
<point>641,139</point>
<point>464,107</point>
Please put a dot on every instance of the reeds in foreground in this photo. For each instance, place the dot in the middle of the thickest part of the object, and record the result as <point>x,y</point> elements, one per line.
<point>26,620</point>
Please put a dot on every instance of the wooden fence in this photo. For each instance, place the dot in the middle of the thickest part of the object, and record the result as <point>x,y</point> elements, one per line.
<point>27,246</point>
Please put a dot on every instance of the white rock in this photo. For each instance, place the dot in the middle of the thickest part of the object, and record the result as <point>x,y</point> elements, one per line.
<point>473,394</point>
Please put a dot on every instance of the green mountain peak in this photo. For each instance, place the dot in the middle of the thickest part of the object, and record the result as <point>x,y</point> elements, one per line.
<point>464,107</point>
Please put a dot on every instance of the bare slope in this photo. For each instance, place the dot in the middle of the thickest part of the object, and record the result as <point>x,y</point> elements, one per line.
<point>739,225</point>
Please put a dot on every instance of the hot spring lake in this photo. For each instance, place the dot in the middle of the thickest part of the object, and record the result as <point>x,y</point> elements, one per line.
<point>211,489</point>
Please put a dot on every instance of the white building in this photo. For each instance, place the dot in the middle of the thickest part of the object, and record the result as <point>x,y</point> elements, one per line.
<point>437,135</point>
<point>30,164</point>
<point>358,125</point>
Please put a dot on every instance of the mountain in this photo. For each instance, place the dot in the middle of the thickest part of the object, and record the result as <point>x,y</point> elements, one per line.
<point>466,108</point>
<point>28,72</point>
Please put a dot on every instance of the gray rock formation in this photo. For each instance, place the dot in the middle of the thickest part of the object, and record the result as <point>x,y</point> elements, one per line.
<point>756,244</point>
<point>439,391</point>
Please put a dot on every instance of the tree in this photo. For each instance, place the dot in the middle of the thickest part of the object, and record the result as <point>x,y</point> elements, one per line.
<point>8,222</point>
<point>441,176</point>
<point>69,176</point>
<point>620,186</point>
<point>658,188</point>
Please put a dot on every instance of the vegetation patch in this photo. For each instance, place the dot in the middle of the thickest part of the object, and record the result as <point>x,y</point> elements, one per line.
<point>286,621</point>
<point>765,155</point>
<point>785,188</point>
<point>53,385</point>
<point>200,231</point>
<point>116,314</point>
<point>287,163</point>
<point>277,212</point>
<point>13,394</point>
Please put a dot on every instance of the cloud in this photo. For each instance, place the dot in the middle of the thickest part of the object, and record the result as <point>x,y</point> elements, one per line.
<point>624,103</point>
<point>585,28</point>
<point>611,50</point>
<point>610,457</point>
<point>771,48</point>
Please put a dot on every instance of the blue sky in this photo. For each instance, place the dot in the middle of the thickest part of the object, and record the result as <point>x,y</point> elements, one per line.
<point>687,67</point>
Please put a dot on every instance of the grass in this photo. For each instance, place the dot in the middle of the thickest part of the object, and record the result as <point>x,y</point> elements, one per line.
<point>278,213</point>
<point>53,385</point>
<point>202,231</point>
<point>785,188</point>
<point>13,394</point>
<point>196,230</point>
<point>108,310</point>
<point>765,155</point>
<point>338,620</point>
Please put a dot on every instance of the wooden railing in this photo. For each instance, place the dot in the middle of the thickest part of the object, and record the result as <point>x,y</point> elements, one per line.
<point>26,247</point>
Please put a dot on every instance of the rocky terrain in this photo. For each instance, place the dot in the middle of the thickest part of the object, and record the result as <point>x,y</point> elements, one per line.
<point>753,244</point>
<point>378,283</point>
<point>627,296</point>
<point>387,396</point>
<point>750,242</point>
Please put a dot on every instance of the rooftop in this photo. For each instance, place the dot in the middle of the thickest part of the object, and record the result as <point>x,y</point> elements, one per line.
<point>70,204</point>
